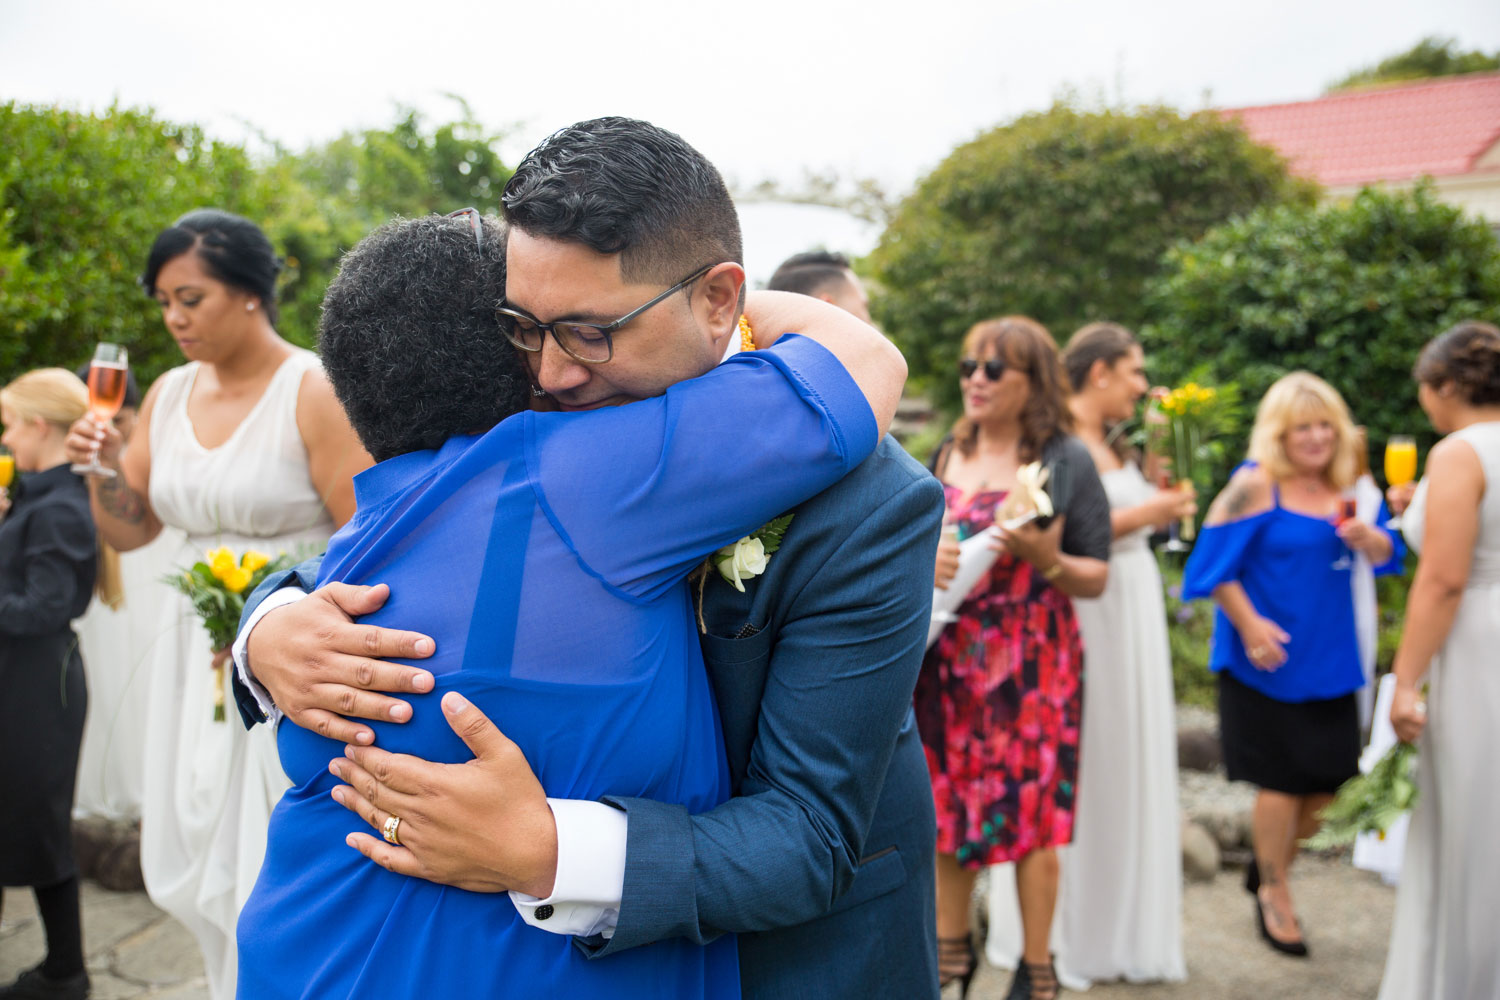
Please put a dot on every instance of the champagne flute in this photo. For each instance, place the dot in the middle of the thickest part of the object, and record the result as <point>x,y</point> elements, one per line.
<point>106,394</point>
<point>1174,530</point>
<point>1400,466</point>
<point>1348,510</point>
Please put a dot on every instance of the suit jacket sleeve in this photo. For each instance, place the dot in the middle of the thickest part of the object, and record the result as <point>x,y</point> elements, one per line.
<point>838,690</point>
<point>305,576</point>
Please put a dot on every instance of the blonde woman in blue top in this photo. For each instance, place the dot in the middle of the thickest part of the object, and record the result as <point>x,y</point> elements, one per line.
<point>1276,558</point>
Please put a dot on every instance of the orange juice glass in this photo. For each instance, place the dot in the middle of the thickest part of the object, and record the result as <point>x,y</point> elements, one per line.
<point>1400,461</point>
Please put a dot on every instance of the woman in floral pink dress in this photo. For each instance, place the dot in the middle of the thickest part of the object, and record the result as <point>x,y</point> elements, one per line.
<point>999,699</point>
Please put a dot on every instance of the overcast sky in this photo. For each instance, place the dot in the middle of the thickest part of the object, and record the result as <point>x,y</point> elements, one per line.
<point>878,89</point>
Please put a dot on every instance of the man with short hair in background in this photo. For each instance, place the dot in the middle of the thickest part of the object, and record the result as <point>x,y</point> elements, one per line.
<point>823,275</point>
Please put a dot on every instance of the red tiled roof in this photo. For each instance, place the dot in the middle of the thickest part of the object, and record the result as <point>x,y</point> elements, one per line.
<point>1436,127</point>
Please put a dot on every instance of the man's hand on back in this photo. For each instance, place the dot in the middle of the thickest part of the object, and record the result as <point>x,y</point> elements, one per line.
<point>483,825</point>
<point>319,666</point>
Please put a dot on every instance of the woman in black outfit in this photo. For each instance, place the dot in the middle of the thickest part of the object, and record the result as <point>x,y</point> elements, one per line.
<point>47,564</point>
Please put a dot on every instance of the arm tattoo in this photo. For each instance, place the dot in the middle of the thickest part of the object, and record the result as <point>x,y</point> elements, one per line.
<point>121,502</point>
<point>1237,499</point>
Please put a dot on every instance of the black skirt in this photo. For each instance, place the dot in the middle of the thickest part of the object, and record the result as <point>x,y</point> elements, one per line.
<point>1298,748</point>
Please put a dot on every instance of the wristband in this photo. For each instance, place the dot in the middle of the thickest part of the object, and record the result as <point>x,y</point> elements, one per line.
<point>1053,572</point>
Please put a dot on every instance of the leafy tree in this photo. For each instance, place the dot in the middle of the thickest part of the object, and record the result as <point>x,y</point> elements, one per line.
<point>1349,291</point>
<point>1430,57</point>
<point>320,202</point>
<point>81,198</point>
<point>1062,215</point>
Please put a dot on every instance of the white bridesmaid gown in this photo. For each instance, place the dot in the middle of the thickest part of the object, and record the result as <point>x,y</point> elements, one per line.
<point>1119,913</point>
<point>118,648</point>
<point>1443,941</point>
<point>210,786</point>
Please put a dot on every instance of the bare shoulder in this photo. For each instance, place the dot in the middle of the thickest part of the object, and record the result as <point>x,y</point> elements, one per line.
<point>1453,462</point>
<point>318,409</point>
<point>1248,493</point>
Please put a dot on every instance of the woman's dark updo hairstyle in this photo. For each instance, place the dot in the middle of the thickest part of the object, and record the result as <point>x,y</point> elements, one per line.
<point>1468,357</point>
<point>233,250</point>
<point>1025,345</point>
<point>1103,341</point>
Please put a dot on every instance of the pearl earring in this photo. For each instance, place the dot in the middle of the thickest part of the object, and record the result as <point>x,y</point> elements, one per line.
<point>249,307</point>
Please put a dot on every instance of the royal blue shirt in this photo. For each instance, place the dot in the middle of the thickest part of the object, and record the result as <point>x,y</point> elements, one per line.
<point>547,559</point>
<point>1296,572</point>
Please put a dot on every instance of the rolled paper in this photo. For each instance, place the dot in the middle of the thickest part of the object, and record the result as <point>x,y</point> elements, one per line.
<point>975,557</point>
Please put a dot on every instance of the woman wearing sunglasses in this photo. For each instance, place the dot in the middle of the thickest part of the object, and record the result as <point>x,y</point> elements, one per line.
<point>999,697</point>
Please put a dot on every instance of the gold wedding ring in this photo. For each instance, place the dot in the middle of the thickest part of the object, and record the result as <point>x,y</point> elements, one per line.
<point>392,830</point>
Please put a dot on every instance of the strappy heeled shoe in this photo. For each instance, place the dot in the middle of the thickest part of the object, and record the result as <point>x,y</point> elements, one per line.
<point>958,960</point>
<point>1034,982</point>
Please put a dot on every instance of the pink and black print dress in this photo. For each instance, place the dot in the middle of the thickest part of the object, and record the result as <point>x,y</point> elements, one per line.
<point>999,701</point>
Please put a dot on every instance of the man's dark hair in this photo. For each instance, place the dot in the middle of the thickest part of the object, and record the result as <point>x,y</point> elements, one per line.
<point>810,273</point>
<point>232,249</point>
<point>410,338</point>
<point>621,186</point>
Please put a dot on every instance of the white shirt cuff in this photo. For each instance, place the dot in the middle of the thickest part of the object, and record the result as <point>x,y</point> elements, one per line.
<point>240,651</point>
<point>585,898</point>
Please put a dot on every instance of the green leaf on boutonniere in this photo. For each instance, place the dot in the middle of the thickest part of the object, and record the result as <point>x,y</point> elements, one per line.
<point>770,536</point>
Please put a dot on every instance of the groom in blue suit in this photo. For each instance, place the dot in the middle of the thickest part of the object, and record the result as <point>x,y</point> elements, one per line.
<point>822,862</point>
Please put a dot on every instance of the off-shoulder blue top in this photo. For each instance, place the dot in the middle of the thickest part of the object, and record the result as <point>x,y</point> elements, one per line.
<point>1297,572</point>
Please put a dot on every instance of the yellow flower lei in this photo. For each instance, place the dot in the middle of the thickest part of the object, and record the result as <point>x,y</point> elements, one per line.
<point>747,339</point>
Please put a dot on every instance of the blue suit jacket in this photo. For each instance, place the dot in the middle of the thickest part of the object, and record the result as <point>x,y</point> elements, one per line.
<point>823,860</point>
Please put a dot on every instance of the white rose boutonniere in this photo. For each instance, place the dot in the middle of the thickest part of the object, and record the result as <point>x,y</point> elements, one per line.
<point>748,557</point>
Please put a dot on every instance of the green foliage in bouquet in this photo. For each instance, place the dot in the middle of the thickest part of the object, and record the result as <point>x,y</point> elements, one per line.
<point>1369,803</point>
<point>217,588</point>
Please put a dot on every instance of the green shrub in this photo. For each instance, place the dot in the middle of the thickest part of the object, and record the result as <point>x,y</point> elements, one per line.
<point>82,196</point>
<point>1061,215</point>
<point>1349,291</point>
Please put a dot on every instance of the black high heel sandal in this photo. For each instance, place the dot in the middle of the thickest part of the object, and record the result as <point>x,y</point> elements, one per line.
<point>1035,982</point>
<point>950,951</point>
<point>1252,878</point>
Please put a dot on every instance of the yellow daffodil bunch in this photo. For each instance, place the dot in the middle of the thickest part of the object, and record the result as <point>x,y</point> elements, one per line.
<point>217,586</point>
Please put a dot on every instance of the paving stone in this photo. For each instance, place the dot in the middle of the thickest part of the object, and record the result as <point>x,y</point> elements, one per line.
<point>111,917</point>
<point>162,954</point>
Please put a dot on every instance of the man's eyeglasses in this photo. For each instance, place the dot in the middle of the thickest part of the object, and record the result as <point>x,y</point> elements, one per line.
<point>993,368</point>
<point>589,343</point>
<point>475,223</point>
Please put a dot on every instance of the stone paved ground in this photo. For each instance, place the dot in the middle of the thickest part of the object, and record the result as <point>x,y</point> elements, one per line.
<point>134,950</point>
<point>1346,914</point>
<point>138,952</point>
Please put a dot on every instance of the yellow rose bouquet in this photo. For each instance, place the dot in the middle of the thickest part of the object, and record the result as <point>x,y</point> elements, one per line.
<point>1194,415</point>
<point>217,587</point>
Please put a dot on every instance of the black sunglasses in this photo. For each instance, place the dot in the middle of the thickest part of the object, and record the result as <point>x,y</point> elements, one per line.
<point>590,343</point>
<point>993,368</point>
<point>475,223</point>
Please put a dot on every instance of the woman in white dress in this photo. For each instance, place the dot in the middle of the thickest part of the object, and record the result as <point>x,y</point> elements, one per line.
<point>246,447</point>
<point>117,637</point>
<point>1443,937</point>
<point>1121,909</point>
